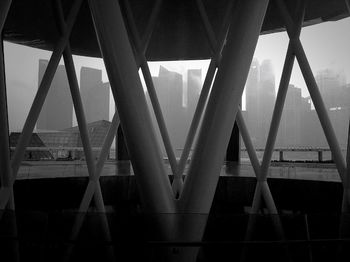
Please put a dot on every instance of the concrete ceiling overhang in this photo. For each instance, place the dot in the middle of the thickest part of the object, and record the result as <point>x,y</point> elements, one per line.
<point>178,33</point>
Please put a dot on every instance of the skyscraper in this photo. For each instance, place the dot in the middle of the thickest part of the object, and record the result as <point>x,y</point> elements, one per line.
<point>329,83</point>
<point>169,89</point>
<point>57,111</point>
<point>266,100</point>
<point>252,99</point>
<point>290,125</point>
<point>336,96</point>
<point>194,85</point>
<point>94,94</point>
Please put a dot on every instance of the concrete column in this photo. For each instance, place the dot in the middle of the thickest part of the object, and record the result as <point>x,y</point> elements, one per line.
<point>151,90</point>
<point>248,143</point>
<point>215,61</point>
<point>5,168</point>
<point>320,156</point>
<point>233,152</point>
<point>346,193</point>
<point>218,121</point>
<point>281,156</point>
<point>122,151</point>
<point>144,150</point>
<point>6,194</point>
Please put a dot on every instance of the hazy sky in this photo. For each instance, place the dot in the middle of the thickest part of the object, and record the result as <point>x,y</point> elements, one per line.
<point>327,46</point>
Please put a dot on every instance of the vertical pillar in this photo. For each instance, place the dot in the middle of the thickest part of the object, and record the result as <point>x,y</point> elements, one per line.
<point>281,156</point>
<point>346,193</point>
<point>233,152</point>
<point>144,150</point>
<point>248,143</point>
<point>151,90</point>
<point>5,167</point>
<point>122,151</point>
<point>218,121</point>
<point>320,156</point>
<point>215,61</point>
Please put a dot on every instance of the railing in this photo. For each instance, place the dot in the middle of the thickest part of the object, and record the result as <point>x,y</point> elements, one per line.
<point>61,152</point>
<point>319,151</point>
<point>52,148</point>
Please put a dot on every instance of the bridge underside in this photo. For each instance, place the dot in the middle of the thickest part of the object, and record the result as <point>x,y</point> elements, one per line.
<point>126,44</point>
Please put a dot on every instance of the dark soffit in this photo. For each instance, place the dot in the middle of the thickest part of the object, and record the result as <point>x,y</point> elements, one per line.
<point>178,33</point>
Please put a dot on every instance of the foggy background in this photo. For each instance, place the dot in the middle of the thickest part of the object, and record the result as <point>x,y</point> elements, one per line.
<point>178,84</point>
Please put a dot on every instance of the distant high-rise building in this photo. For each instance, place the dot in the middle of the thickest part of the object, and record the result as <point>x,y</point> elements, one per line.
<point>329,83</point>
<point>57,111</point>
<point>328,78</point>
<point>169,89</point>
<point>299,124</point>
<point>290,125</point>
<point>336,96</point>
<point>94,94</point>
<point>194,85</point>
<point>252,99</point>
<point>266,101</point>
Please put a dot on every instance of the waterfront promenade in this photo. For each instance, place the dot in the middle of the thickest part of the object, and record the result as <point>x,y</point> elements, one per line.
<point>288,170</point>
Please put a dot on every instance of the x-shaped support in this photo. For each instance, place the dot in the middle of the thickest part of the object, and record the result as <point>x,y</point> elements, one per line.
<point>295,49</point>
<point>122,71</point>
<point>314,93</point>
<point>178,168</point>
<point>38,102</point>
<point>78,107</point>
<point>262,186</point>
<point>262,189</point>
<point>216,46</point>
<point>142,63</point>
<point>93,187</point>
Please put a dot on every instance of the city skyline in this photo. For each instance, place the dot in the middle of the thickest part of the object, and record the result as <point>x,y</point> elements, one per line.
<point>178,96</point>
<point>326,46</point>
<point>177,101</point>
<point>57,112</point>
